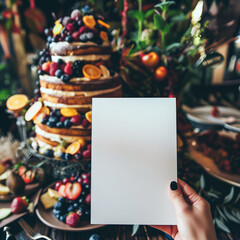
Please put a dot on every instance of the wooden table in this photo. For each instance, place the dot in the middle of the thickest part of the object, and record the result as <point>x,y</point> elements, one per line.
<point>108,232</point>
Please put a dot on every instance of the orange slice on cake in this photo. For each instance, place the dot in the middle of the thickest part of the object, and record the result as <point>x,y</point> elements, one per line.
<point>92,72</point>
<point>17,102</point>
<point>73,148</point>
<point>102,23</point>
<point>103,36</point>
<point>89,21</point>
<point>38,118</point>
<point>33,111</point>
<point>68,112</point>
<point>88,116</point>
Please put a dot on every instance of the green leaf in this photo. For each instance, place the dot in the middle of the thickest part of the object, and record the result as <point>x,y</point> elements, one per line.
<point>164,5</point>
<point>221,213</point>
<point>231,216</point>
<point>222,225</point>
<point>167,28</point>
<point>213,195</point>
<point>159,22</point>
<point>135,229</point>
<point>178,18</point>
<point>136,14</point>
<point>172,46</point>
<point>202,182</point>
<point>149,13</point>
<point>229,197</point>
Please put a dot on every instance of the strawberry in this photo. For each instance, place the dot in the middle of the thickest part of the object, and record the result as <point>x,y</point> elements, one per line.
<point>18,205</point>
<point>62,190</point>
<point>75,35</point>
<point>53,68</point>
<point>73,220</point>
<point>88,199</point>
<point>27,175</point>
<point>68,68</point>
<point>46,67</point>
<point>76,120</point>
<point>73,190</point>
<point>86,153</point>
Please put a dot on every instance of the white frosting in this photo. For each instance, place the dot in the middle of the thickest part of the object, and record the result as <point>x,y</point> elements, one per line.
<point>57,137</point>
<point>59,93</point>
<point>51,79</point>
<point>90,57</point>
<point>61,105</point>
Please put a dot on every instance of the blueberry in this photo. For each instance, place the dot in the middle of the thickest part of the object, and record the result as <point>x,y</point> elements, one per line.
<point>56,211</point>
<point>89,35</point>
<point>40,72</point>
<point>67,123</point>
<point>53,119</point>
<point>60,61</point>
<point>78,156</point>
<point>70,209</point>
<point>83,37</point>
<point>58,205</point>
<point>62,218</point>
<point>87,187</point>
<point>59,125</point>
<point>51,124</point>
<point>69,39</point>
<point>70,202</point>
<point>83,193</point>
<point>94,237</point>
<point>49,39</point>
<point>86,8</point>
<point>44,120</point>
<point>65,78</point>
<point>76,205</point>
<point>57,216</point>
<point>59,73</point>
<point>68,156</point>
<point>62,156</point>
<point>47,59</point>
<point>76,63</point>
<point>81,200</point>
<point>49,153</point>
<point>62,200</point>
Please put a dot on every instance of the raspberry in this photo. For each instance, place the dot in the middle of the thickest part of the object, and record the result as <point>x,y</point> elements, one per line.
<point>75,35</point>
<point>83,29</point>
<point>46,67</point>
<point>76,120</point>
<point>53,68</point>
<point>70,27</point>
<point>85,123</point>
<point>73,220</point>
<point>68,68</point>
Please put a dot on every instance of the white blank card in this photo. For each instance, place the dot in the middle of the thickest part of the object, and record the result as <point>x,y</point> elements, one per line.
<point>134,159</point>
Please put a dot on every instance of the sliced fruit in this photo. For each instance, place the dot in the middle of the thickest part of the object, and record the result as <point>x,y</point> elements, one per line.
<point>82,142</point>
<point>73,148</point>
<point>38,118</point>
<point>103,36</point>
<point>46,67</point>
<point>27,176</point>
<point>73,190</point>
<point>105,71</point>
<point>89,21</point>
<point>18,205</point>
<point>17,102</point>
<point>53,194</point>
<point>68,112</point>
<point>62,191</point>
<point>33,111</point>
<point>5,212</point>
<point>88,116</point>
<point>47,201</point>
<point>4,190</point>
<point>5,175</point>
<point>73,220</point>
<point>92,72</point>
<point>100,22</point>
<point>57,28</point>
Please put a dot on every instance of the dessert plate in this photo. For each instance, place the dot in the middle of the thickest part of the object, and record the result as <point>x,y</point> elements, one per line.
<point>47,217</point>
<point>210,166</point>
<point>202,115</point>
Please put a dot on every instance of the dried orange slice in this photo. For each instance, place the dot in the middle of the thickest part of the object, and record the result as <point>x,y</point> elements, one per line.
<point>68,112</point>
<point>38,118</point>
<point>82,142</point>
<point>100,22</point>
<point>33,111</point>
<point>103,36</point>
<point>73,148</point>
<point>89,21</point>
<point>17,102</point>
<point>92,72</point>
<point>105,71</point>
<point>57,28</point>
<point>88,116</point>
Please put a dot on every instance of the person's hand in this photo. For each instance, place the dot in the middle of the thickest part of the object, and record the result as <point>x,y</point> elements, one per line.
<point>194,219</point>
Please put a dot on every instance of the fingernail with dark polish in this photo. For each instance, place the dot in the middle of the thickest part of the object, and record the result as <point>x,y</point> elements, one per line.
<point>173,186</point>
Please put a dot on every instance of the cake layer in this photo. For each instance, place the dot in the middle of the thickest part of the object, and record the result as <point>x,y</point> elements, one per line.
<point>66,131</point>
<point>46,140</point>
<point>80,84</point>
<point>80,107</point>
<point>79,48</point>
<point>79,99</point>
<point>59,137</point>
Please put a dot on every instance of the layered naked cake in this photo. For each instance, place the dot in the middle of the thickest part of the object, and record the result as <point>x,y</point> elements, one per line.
<point>75,67</point>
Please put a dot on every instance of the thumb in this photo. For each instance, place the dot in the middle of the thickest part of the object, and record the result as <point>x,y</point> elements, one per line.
<point>176,196</point>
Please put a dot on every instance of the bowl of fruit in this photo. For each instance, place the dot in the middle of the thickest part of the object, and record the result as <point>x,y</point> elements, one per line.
<point>65,205</point>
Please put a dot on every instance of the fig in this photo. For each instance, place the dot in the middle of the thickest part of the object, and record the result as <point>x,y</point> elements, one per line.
<point>15,183</point>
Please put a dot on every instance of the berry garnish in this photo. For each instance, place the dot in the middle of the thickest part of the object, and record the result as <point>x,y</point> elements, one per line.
<point>73,190</point>
<point>57,185</point>
<point>49,153</point>
<point>73,220</point>
<point>68,68</point>
<point>76,120</point>
<point>85,123</point>
<point>67,123</point>
<point>53,68</point>
<point>18,205</point>
<point>59,73</point>
<point>88,199</point>
<point>46,67</point>
<point>65,78</point>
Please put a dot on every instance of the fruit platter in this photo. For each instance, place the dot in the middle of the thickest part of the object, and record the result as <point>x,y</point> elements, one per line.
<point>65,205</point>
<point>218,153</point>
